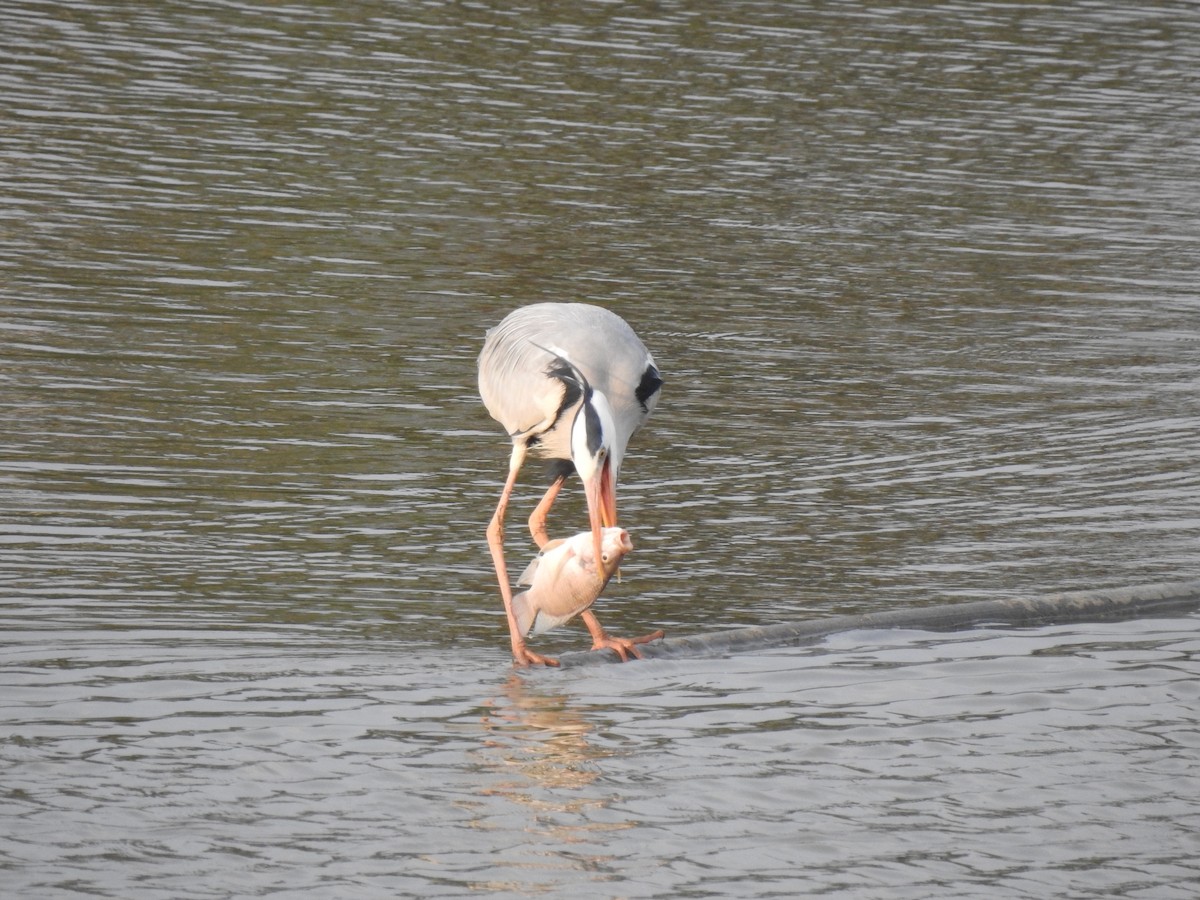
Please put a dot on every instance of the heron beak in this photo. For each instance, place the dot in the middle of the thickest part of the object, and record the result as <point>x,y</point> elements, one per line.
<point>601,493</point>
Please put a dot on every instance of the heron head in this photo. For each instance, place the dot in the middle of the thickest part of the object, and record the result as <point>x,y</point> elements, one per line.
<point>597,458</point>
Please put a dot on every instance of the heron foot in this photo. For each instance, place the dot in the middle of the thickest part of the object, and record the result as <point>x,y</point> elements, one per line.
<point>623,647</point>
<point>526,657</point>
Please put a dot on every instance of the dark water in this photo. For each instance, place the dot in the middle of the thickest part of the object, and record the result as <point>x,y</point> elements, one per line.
<point>923,283</point>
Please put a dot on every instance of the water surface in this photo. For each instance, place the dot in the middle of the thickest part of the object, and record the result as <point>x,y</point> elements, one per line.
<point>922,281</point>
<point>1056,762</point>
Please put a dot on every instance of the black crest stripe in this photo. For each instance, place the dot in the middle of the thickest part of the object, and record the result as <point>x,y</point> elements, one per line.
<point>648,386</point>
<point>574,385</point>
<point>594,430</point>
<point>570,379</point>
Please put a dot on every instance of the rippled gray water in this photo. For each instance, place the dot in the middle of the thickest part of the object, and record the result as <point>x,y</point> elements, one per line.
<point>1055,763</point>
<point>922,280</point>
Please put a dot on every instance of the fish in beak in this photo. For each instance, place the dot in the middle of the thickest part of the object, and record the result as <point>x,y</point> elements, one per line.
<point>601,493</point>
<point>568,579</point>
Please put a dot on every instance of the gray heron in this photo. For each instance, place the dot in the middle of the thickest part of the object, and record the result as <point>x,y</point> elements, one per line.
<point>570,383</point>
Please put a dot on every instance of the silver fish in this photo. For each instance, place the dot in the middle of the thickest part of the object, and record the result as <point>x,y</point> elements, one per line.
<point>565,580</point>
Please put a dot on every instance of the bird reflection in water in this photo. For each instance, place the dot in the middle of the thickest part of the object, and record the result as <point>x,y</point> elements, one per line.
<point>541,736</point>
<point>541,777</point>
<point>540,743</point>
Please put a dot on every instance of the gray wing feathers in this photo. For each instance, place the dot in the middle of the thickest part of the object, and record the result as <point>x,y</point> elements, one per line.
<point>513,381</point>
<point>517,352</point>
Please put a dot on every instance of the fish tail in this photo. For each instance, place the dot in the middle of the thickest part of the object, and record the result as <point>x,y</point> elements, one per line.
<point>524,613</point>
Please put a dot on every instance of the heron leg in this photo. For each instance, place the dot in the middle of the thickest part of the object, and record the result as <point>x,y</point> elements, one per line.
<point>623,647</point>
<point>537,518</point>
<point>495,535</point>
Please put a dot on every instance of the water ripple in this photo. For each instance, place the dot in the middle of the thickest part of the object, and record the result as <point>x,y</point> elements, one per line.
<point>922,285</point>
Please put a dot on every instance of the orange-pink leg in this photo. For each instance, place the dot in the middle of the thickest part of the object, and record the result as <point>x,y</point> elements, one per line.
<point>623,646</point>
<point>537,518</point>
<point>495,535</point>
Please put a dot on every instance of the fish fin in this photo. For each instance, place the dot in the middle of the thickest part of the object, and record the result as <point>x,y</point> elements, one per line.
<point>524,613</point>
<point>536,621</point>
<point>530,572</point>
<point>543,622</point>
